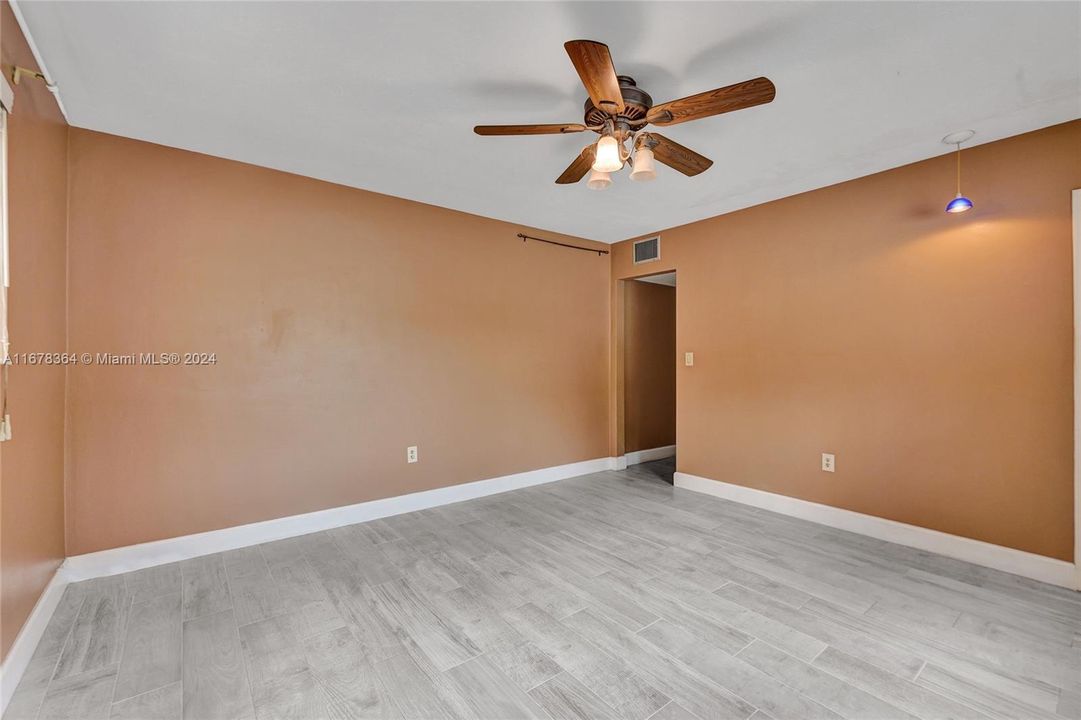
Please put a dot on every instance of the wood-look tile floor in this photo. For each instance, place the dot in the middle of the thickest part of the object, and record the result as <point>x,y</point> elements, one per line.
<point>611,595</point>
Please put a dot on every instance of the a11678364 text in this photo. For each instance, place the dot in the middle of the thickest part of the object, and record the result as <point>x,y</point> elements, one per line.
<point>102,358</point>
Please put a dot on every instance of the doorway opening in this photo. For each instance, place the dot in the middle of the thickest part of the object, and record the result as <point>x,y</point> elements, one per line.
<point>649,376</point>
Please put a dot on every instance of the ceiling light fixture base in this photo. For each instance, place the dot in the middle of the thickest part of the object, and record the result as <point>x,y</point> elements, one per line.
<point>959,137</point>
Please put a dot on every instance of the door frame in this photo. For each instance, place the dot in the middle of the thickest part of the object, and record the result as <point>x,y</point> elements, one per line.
<point>1076,203</point>
<point>620,378</point>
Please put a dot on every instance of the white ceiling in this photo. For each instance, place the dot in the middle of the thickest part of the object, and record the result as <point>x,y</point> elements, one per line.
<point>383,96</point>
<point>668,279</point>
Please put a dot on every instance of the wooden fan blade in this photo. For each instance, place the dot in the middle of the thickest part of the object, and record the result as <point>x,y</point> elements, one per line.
<point>528,129</point>
<point>676,156</point>
<point>577,169</point>
<point>714,102</point>
<point>594,65</point>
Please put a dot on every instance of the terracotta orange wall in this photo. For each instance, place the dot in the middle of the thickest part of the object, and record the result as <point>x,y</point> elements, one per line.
<point>347,325</point>
<point>32,474</point>
<point>650,361</point>
<point>931,353</point>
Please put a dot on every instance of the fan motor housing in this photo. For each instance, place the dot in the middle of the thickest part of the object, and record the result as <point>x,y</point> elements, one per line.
<point>636,101</point>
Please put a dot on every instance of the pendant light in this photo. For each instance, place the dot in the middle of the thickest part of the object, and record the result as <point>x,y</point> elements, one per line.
<point>960,203</point>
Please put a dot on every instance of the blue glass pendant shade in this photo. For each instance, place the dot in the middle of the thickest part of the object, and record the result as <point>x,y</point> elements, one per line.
<point>959,204</point>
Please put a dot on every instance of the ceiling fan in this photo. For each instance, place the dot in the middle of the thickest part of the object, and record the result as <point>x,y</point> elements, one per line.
<point>618,110</point>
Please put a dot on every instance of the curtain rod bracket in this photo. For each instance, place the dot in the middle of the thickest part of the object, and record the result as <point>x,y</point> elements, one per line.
<point>20,71</point>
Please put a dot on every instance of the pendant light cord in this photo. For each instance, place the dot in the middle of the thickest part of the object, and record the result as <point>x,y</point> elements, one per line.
<point>958,168</point>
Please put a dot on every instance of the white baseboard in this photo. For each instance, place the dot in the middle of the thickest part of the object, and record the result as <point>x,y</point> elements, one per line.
<point>18,657</point>
<point>136,557</point>
<point>657,453</point>
<point>1018,562</point>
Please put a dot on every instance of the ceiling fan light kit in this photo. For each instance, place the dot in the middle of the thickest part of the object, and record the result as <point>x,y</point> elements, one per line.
<point>618,110</point>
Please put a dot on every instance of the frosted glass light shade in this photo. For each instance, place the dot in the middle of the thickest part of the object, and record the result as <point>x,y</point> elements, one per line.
<point>607,159</point>
<point>598,180</point>
<point>643,165</point>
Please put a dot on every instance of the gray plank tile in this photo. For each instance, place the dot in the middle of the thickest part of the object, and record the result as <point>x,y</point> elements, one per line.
<point>886,654</point>
<point>987,699</point>
<point>26,700</point>
<point>256,596</point>
<point>475,576</point>
<point>415,566</point>
<point>291,696</point>
<point>735,675</point>
<point>564,698</point>
<point>1056,647</point>
<point>518,658</point>
<point>989,603</point>
<point>153,581</point>
<point>346,676</point>
<point>355,603</point>
<point>600,593</point>
<point>82,696</point>
<point>444,644</point>
<point>675,679</point>
<point>607,677</point>
<point>152,647</point>
<point>760,715</point>
<point>413,691</point>
<point>710,628</point>
<point>214,677</point>
<point>1069,704</point>
<point>273,649</point>
<point>282,683</point>
<point>734,572</point>
<point>491,694</point>
<point>368,558</point>
<point>523,582</point>
<point>97,635</point>
<point>746,620</point>
<point>164,703</point>
<point>895,690</point>
<point>285,550</point>
<point>674,711</point>
<point>63,619</point>
<point>524,663</point>
<point>963,655</point>
<point>837,695</point>
<point>205,587</point>
<point>902,607</point>
<point>304,595</point>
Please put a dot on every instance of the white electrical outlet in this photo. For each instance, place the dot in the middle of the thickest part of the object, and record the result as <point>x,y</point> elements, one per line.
<point>688,359</point>
<point>828,463</point>
<point>411,454</point>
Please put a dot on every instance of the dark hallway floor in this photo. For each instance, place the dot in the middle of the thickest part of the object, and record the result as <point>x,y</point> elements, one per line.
<point>662,469</point>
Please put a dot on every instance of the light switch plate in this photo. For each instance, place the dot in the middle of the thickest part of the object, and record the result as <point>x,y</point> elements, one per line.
<point>688,359</point>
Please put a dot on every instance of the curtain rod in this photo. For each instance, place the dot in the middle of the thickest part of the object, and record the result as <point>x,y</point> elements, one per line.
<point>560,244</point>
